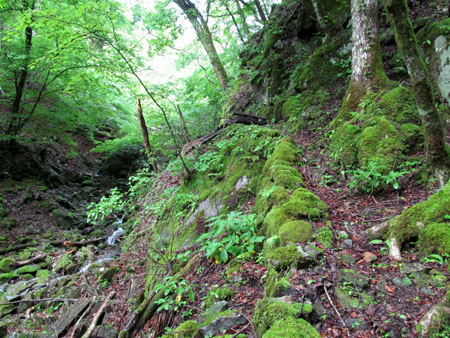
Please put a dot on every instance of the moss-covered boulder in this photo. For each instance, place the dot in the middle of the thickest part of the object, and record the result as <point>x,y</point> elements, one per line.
<point>217,294</point>
<point>428,221</point>
<point>63,218</point>
<point>31,268</point>
<point>291,327</point>
<point>7,276</point>
<point>269,311</point>
<point>398,105</point>
<point>287,177</point>
<point>65,264</point>
<point>188,329</point>
<point>295,232</point>
<point>304,204</point>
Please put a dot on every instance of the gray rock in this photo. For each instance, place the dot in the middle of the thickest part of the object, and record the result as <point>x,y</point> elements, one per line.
<point>426,291</point>
<point>222,323</point>
<point>404,282</point>
<point>412,267</point>
<point>357,324</point>
<point>433,319</point>
<point>216,308</point>
<point>348,243</point>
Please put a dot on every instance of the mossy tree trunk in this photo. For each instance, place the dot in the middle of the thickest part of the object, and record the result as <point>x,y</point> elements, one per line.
<point>205,37</point>
<point>367,66</point>
<point>437,155</point>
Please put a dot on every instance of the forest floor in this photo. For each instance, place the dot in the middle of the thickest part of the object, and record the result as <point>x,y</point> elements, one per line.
<point>387,297</point>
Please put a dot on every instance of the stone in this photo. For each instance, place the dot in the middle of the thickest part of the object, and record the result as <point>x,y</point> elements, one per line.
<point>357,324</point>
<point>404,282</point>
<point>216,308</point>
<point>412,267</point>
<point>354,277</point>
<point>7,276</point>
<point>64,264</point>
<point>64,219</point>
<point>222,323</point>
<point>109,274</point>
<point>348,243</point>
<point>434,319</point>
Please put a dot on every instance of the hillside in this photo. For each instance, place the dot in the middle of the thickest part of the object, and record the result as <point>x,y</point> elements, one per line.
<point>319,205</point>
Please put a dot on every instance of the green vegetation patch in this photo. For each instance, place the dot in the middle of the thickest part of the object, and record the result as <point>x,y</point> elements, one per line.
<point>398,105</point>
<point>268,312</point>
<point>287,177</point>
<point>291,327</point>
<point>188,329</point>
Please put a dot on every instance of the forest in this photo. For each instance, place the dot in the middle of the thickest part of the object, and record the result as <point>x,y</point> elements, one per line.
<point>225,168</point>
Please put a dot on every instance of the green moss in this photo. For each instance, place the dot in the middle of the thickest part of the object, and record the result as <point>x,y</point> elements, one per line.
<point>188,329</point>
<point>398,105</point>
<point>287,177</point>
<point>7,276</point>
<point>274,220</point>
<point>291,327</point>
<point>304,204</point>
<point>343,143</point>
<point>268,311</point>
<point>381,143</point>
<point>282,258</point>
<point>350,298</point>
<point>217,294</point>
<point>285,153</point>
<point>325,237</point>
<point>435,237</point>
<point>413,136</point>
<point>3,211</point>
<point>295,232</point>
<point>432,31</point>
<point>415,221</point>
<point>64,263</point>
<point>32,268</point>
<point>5,264</point>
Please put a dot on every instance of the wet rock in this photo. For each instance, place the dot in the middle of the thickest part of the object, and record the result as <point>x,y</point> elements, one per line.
<point>222,323</point>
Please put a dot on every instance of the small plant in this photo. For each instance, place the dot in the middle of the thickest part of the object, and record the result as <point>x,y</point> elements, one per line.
<point>370,179</point>
<point>233,234</point>
<point>113,204</point>
<point>171,286</point>
<point>435,258</point>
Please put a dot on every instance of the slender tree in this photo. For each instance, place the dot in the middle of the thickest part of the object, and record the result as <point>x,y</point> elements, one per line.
<point>204,35</point>
<point>437,154</point>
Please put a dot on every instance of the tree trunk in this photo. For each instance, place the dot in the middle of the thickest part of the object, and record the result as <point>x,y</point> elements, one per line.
<point>205,37</point>
<point>143,125</point>
<point>183,123</point>
<point>367,66</point>
<point>14,123</point>
<point>260,11</point>
<point>234,20</point>
<point>436,151</point>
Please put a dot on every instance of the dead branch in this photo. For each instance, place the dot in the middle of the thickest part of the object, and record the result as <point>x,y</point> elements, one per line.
<point>334,307</point>
<point>97,315</point>
<point>40,300</point>
<point>35,259</point>
<point>85,313</point>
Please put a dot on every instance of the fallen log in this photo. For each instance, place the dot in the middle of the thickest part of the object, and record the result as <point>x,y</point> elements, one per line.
<point>97,315</point>
<point>32,260</point>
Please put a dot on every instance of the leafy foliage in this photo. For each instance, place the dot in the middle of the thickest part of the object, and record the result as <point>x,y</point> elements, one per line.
<point>170,287</point>
<point>233,234</point>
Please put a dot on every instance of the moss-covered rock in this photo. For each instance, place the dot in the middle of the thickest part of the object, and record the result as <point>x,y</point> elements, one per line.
<point>5,264</point>
<point>304,204</point>
<point>343,143</point>
<point>291,327</point>
<point>381,143</point>
<point>351,298</point>
<point>285,153</point>
<point>217,294</point>
<point>413,137</point>
<point>284,257</point>
<point>64,263</point>
<point>188,329</point>
<point>295,232</point>
<point>269,311</point>
<point>274,220</point>
<point>428,221</point>
<point>32,268</point>
<point>63,218</point>
<point>287,177</point>
<point>7,276</point>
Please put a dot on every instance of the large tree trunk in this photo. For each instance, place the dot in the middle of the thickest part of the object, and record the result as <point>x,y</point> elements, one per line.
<point>367,66</point>
<point>204,35</point>
<point>437,155</point>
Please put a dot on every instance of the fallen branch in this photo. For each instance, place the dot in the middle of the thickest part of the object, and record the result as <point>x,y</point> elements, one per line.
<point>85,313</point>
<point>334,307</point>
<point>97,315</point>
<point>240,331</point>
<point>35,259</point>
